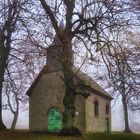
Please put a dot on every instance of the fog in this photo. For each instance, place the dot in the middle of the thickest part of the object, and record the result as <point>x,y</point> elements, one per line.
<point>117,119</point>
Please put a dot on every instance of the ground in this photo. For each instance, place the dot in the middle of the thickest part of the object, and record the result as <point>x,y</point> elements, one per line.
<point>24,135</point>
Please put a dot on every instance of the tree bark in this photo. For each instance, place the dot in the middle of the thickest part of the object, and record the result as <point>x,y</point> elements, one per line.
<point>69,112</point>
<point>2,71</point>
<point>127,128</point>
<point>14,120</point>
<point>14,112</point>
<point>68,101</point>
<point>69,97</point>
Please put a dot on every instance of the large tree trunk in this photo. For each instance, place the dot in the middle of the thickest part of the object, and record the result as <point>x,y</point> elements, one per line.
<point>69,97</point>
<point>68,101</point>
<point>125,108</point>
<point>2,126</point>
<point>2,70</point>
<point>69,112</point>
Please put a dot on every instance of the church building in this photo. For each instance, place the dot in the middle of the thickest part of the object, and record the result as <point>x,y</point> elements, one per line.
<point>93,114</point>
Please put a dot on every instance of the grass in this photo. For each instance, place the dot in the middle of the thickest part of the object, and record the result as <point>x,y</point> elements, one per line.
<point>115,136</point>
<point>24,135</point>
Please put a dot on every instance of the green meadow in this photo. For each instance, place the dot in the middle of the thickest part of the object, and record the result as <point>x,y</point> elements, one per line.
<point>23,135</point>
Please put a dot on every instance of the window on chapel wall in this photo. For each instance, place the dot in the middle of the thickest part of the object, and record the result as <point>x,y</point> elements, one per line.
<point>107,109</point>
<point>96,108</point>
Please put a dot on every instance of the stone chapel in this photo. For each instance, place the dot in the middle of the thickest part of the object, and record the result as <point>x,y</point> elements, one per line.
<point>93,114</point>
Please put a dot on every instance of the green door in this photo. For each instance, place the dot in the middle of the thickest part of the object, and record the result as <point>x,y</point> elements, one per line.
<point>54,120</point>
<point>107,129</point>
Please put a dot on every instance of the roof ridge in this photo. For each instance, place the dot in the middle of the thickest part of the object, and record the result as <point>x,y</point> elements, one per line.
<point>90,81</point>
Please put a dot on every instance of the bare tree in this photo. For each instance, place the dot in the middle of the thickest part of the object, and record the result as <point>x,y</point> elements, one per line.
<point>133,39</point>
<point>14,88</point>
<point>83,21</point>
<point>9,13</point>
<point>123,74</point>
<point>23,65</point>
<point>135,4</point>
<point>14,97</point>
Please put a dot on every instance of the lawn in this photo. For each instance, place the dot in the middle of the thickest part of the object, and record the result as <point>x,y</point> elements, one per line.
<point>22,135</point>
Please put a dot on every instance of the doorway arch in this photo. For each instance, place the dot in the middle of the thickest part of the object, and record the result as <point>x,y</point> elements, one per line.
<point>54,120</point>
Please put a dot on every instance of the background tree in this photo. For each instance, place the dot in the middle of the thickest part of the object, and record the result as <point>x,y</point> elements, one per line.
<point>124,76</point>
<point>9,13</point>
<point>133,39</point>
<point>14,95</point>
<point>24,63</point>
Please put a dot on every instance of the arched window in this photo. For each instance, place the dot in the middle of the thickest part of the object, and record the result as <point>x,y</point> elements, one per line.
<point>107,109</point>
<point>96,108</point>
